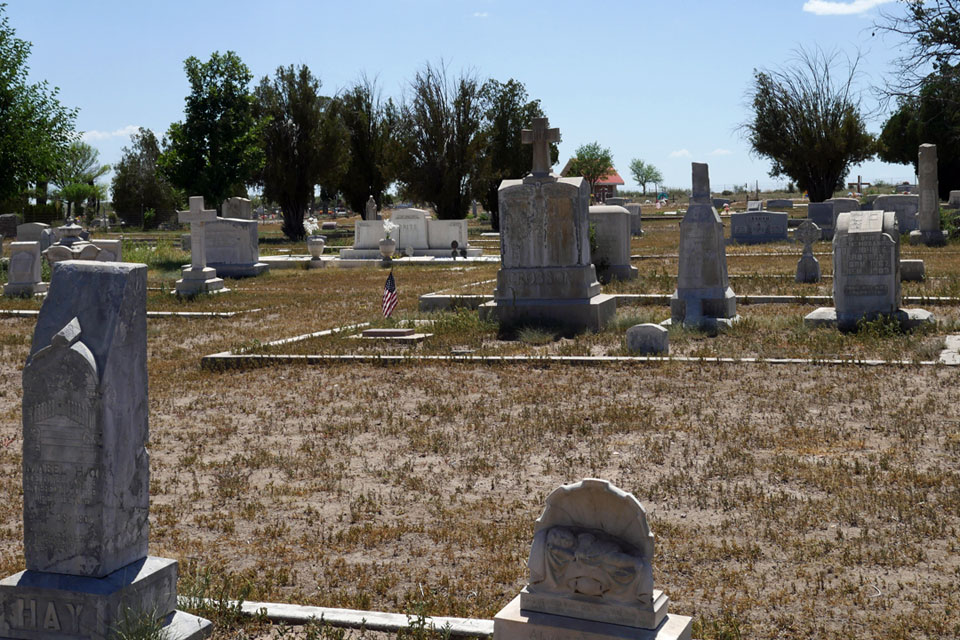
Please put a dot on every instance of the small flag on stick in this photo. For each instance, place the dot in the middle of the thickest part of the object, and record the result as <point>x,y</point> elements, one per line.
<point>389,295</point>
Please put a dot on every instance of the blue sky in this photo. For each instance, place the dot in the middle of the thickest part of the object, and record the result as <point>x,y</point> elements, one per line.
<point>654,79</point>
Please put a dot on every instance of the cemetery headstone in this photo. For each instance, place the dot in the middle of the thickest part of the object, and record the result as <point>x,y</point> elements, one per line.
<point>591,572</point>
<point>703,297</point>
<point>754,205</point>
<point>824,214</point>
<point>8,225</point>
<point>416,231</point>
<point>611,231</point>
<point>546,274</point>
<point>866,273</point>
<point>912,271</point>
<point>615,201</point>
<point>648,339</point>
<point>232,244</point>
<point>808,267</point>
<point>720,203</point>
<point>47,238</point>
<point>928,216</point>
<point>238,208</point>
<point>197,277</point>
<point>780,203</point>
<point>954,201</point>
<point>86,473</point>
<point>757,227</point>
<point>23,270</point>
<point>636,223</point>
<point>110,250</point>
<point>905,206</point>
<point>30,231</point>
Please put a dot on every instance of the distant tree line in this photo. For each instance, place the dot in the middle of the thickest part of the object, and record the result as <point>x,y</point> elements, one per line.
<point>452,141</point>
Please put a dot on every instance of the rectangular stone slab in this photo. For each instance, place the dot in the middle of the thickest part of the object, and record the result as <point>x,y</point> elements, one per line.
<point>586,608</point>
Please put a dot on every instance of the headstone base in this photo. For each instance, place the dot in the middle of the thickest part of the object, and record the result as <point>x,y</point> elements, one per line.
<point>586,608</point>
<point>704,309</point>
<point>37,604</point>
<point>570,317</point>
<point>514,623</point>
<point>196,281</point>
<point>808,269</point>
<point>374,254</point>
<point>912,271</point>
<point>827,317</point>
<point>14,290</point>
<point>930,238</point>
<point>250,270</point>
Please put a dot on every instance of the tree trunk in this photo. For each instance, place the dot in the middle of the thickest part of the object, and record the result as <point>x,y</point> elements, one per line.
<point>293,220</point>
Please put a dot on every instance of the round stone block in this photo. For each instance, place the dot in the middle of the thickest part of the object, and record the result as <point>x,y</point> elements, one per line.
<point>648,339</point>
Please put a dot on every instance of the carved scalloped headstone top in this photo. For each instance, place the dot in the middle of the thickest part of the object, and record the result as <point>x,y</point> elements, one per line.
<point>592,558</point>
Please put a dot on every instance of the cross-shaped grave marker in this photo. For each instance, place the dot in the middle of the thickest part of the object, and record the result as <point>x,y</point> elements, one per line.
<point>196,217</point>
<point>540,137</point>
<point>808,232</point>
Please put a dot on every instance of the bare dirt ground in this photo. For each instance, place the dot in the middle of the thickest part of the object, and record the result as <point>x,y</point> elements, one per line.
<point>788,502</point>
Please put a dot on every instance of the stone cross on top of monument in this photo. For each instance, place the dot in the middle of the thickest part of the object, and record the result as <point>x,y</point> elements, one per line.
<point>808,233</point>
<point>540,136</point>
<point>197,216</point>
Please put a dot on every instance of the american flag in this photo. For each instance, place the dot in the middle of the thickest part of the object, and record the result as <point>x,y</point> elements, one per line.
<point>389,295</point>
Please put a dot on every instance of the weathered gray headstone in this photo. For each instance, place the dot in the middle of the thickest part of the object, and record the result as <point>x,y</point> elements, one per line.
<point>636,223</point>
<point>611,230</point>
<point>110,250</point>
<point>370,210</point>
<point>703,297</point>
<point>648,339</point>
<point>905,206</point>
<point>808,267</point>
<point>720,203</point>
<point>8,225</point>
<point>824,214</point>
<point>928,216</point>
<point>30,231</point>
<point>754,205</point>
<point>546,273</point>
<point>954,201</point>
<point>912,271</point>
<point>757,227</point>
<point>197,277</point>
<point>591,572</point>
<point>23,270</point>
<point>780,204</point>
<point>232,247</point>
<point>866,273</point>
<point>615,201</point>
<point>86,472</point>
<point>238,208</point>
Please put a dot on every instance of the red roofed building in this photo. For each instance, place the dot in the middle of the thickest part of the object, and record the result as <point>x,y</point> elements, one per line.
<point>605,187</point>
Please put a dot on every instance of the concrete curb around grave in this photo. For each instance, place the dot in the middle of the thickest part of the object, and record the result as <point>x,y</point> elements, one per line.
<point>32,313</point>
<point>228,360</point>
<point>355,619</point>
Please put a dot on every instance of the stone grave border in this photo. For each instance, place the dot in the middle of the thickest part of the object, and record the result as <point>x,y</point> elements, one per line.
<point>33,313</point>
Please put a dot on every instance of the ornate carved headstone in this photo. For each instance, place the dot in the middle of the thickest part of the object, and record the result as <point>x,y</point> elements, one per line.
<point>198,277</point>
<point>703,297</point>
<point>928,216</point>
<point>546,275</point>
<point>591,572</point>
<point>86,470</point>
<point>808,267</point>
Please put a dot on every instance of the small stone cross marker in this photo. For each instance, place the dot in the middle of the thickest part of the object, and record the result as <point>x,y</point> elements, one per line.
<point>196,217</point>
<point>540,137</point>
<point>808,233</point>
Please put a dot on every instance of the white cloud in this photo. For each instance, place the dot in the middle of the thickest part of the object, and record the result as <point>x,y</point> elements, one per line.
<point>721,152</point>
<point>126,132</point>
<point>480,14</point>
<point>831,8</point>
<point>680,153</point>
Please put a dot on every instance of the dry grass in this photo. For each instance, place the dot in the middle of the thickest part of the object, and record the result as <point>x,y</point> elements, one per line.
<point>788,502</point>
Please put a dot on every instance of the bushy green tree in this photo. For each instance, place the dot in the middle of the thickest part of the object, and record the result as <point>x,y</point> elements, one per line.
<point>592,162</point>
<point>371,125</point>
<point>507,110</point>
<point>215,151</point>
<point>933,116</point>
<point>35,129</point>
<point>808,124</point>
<point>304,143</point>
<point>79,163</point>
<point>644,173</point>
<point>138,185</point>
<point>439,141</point>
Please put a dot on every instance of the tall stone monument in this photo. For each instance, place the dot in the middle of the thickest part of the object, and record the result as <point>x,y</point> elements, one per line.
<point>370,210</point>
<point>198,277</point>
<point>703,297</point>
<point>591,573</point>
<point>86,473</point>
<point>546,276</point>
<point>928,216</point>
<point>866,273</point>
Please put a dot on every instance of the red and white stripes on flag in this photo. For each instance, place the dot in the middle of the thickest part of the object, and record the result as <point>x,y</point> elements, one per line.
<point>389,296</point>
